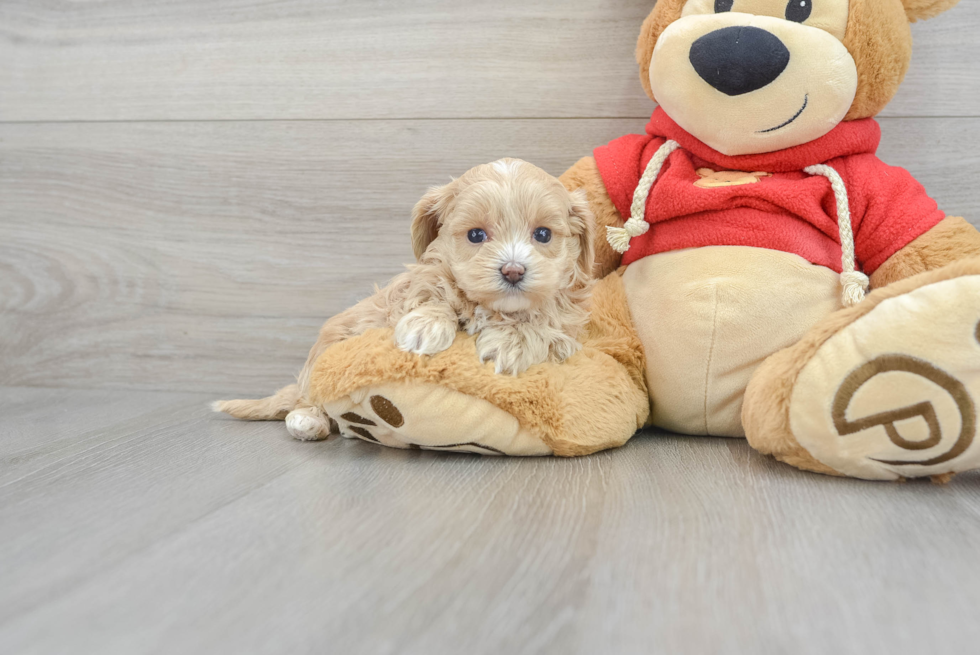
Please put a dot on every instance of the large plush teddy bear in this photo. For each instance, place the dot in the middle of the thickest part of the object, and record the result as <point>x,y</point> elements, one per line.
<point>741,236</point>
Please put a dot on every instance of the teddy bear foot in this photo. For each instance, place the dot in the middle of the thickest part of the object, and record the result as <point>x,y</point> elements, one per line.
<point>431,417</point>
<point>887,390</point>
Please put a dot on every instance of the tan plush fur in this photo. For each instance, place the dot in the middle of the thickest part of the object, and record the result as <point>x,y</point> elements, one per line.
<point>880,41</point>
<point>923,9</point>
<point>765,412</point>
<point>878,38</point>
<point>555,401</point>
<point>459,284</point>
<point>951,240</point>
<point>664,13</point>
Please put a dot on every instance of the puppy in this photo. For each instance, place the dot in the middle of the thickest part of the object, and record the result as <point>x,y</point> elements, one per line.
<point>504,252</point>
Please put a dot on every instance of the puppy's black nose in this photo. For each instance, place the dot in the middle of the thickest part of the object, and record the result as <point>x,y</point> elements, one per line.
<point>512,272</point>
<point>737,60</point>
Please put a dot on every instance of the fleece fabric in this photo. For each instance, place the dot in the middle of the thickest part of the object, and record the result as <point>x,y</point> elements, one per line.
<point>788,210</point>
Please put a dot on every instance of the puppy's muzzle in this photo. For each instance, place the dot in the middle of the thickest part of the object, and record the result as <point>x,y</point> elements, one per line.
<point>512,272</point>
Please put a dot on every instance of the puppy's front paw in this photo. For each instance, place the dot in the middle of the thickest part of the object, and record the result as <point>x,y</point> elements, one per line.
<point>512,351</point>
<point>424,334</point>
<point>564,347</point>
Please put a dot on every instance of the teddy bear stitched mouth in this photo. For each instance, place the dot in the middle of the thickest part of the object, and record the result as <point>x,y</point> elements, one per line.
<point>806,101</point>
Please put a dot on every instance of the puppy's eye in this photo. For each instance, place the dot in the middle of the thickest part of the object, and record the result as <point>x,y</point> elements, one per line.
<point>476,235</point>
<point>542,235</point>
<point>721,6</point>
<point>798,10</point>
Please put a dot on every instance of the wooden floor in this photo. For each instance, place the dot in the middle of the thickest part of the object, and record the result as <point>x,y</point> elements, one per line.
<point>135,522</point>
<point>188,189</point>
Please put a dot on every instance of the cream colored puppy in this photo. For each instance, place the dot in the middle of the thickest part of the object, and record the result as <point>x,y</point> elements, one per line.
<point>504,252</point>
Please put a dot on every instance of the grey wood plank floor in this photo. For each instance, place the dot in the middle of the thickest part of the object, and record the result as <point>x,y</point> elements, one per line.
<point>135,522</point>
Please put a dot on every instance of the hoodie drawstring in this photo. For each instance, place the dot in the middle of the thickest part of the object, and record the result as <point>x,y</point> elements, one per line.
<point>619,237</point>
<point>854,283</point>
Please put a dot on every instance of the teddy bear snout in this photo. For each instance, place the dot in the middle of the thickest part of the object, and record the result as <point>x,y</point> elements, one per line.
<point>739,59</point>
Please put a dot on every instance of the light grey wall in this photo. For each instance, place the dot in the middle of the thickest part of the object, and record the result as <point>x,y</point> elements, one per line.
<point>187,190</point>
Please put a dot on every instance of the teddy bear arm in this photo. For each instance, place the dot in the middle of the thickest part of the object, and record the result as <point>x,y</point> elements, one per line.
<point>595,400</point>
<point>585,175</point>
<point>951,240</point>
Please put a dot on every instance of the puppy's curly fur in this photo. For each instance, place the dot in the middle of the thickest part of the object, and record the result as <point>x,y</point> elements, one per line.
<point>504,252</point>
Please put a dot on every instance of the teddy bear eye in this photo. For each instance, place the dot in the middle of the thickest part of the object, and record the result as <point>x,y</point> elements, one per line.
<point>542,235</point>
<point>476,235</point>
<point>799,10</point>
<point>721,6</point>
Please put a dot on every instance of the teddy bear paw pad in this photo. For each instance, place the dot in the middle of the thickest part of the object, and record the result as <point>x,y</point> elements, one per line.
<point>431,417</point>
<point>896,393</point>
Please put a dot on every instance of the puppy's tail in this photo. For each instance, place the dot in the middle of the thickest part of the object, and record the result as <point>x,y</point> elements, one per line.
<point>273,408</point>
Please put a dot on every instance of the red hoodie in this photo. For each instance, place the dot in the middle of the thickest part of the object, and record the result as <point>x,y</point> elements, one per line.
<point>789,210</point>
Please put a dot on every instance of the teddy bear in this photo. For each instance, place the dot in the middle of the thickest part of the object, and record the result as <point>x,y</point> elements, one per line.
<point>820,306</point>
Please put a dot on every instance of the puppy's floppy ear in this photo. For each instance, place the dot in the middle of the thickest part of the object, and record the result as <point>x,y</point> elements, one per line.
<point>583,226</point>
<point>428,214</point>
<point>923,9</point>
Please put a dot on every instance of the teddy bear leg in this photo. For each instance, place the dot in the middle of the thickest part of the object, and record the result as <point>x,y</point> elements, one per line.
<point>432,417</point>
<point>595,400</point>
<point>886,390</point>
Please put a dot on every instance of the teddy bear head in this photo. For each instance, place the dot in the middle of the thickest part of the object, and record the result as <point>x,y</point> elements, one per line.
<point>755,76</point>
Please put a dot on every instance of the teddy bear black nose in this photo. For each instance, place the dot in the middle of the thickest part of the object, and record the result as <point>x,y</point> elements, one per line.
<point>739,59</point>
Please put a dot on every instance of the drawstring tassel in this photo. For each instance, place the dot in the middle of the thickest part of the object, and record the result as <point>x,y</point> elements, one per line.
<point>619,237</point>
<point>855,284</point>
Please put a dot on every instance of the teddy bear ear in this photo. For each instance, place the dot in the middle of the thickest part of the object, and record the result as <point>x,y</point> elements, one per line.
<point>924,9</point>
<point>663,14</point>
